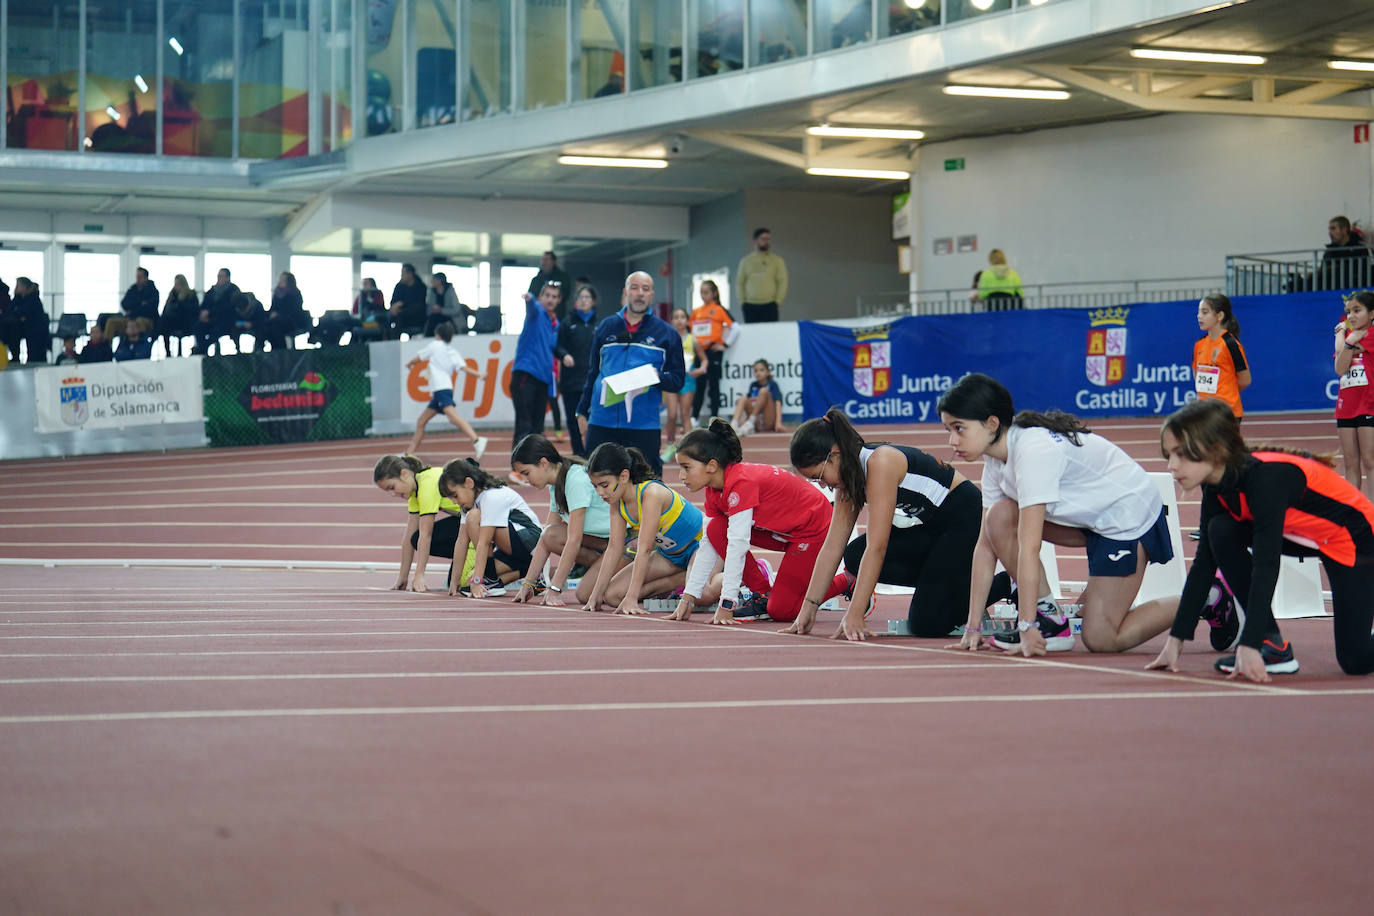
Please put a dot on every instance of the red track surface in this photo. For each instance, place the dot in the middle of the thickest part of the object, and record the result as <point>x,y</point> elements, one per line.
<point>274,741</point>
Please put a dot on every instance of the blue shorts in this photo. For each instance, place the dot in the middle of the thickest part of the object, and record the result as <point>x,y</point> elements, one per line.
<point>683,558</point>
<point>1109,557</point>
<point>689,386</point>
<point>442,399</point>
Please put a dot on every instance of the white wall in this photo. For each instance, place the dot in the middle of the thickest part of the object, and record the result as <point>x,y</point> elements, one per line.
<point>1159,197</point>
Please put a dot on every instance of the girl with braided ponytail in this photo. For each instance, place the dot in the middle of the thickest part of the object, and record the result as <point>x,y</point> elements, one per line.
<point>750,504</point>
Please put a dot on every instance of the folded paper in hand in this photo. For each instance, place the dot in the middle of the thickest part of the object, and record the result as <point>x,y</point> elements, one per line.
<point>626,386</point>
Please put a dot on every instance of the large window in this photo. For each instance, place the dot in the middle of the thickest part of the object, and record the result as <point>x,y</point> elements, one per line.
<point>779,28</point>
<point>386,273</point>
<point>546,53</point>
<point>488,52</point>
<point>15,264</point>
<point>720,35</point>
<point>90,283</point>
<point>163,269</point>
<point>198,67</point>
<point>325,282</point>
<point>42,44</point>
<point>121,76</point>
<point>250,272</point>
<point>515,282</point>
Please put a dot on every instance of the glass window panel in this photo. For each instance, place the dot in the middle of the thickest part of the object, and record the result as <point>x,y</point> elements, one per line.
<point>335,35</point>
<point>325,282</point>
<point>198,72</point>
<point>488,52</point>
<point>386,274</point>
<point>464,280</point>
<point>273,104</point>
<point>121,76</point>
<point>908,16</point>
<point>90,282</point>
<point>658,59</point>
<point>956,10</point>
<point>840,23</point>
<point>779,28</point>
<point>20,263</point>
<point>546,51</point>
<point>163,269</point>
<point>436,74</point>
<point>602,59</point>
<point>249,271</point>
<point>720,35</point>
<point>41,39</point>
<point>514,282</point>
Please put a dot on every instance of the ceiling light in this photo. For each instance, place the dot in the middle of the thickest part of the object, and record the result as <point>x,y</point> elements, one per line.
<point>875,133</point>
<point>140,82</point>
<point>112,112</point>
<point>915,4</point>
<point>176,45</point>
<point>614,162</point>
<point>1007,92</point>
<point>1351,64</point>
<point>982,5</point>
<point>1197,57</point>
<point>860,173</point>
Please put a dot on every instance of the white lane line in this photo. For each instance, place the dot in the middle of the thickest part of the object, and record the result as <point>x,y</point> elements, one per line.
<point>162,545</point>
<point>753,704</point>
<point>422,675</point>
<point>201,523</point>
<point>418,650</point>
<point>585,631</point>
<point>255,621</point>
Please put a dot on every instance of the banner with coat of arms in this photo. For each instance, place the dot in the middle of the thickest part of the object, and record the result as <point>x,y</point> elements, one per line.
<point>139,392</point>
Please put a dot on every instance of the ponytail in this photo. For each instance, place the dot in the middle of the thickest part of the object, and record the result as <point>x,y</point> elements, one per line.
<point>1056,421</point>
<point>390,467</point>
<point>461,469</point>
<point>612,458</point>
<point>811,445</point>
<point>1220,302</point>
<point>531,449</point>
<point>717,442</point>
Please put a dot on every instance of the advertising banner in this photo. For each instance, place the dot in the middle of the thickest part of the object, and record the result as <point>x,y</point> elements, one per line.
<point>114,395</point>
<point>287,396</point>
<point>1131,360</point>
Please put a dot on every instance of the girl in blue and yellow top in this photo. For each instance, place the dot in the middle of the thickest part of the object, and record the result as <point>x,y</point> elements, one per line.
<point>623,478</point>
<point>678,408</point>
<point>406,477</point>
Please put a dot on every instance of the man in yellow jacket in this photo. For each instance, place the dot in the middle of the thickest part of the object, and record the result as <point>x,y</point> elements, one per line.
<point>762,280</point>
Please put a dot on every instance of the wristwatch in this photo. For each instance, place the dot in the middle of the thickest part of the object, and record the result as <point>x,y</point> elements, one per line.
<point>1023,626</point>
<point>727,604</point>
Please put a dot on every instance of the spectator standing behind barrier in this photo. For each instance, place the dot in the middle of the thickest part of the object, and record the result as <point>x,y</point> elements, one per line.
<point>407,304</point>
<point>136,342</point>
<point>761,280</point>
<point>710,322</point>
<point>140,300</point>
<point>574,343</point>
<point>531,378</point>
<point>630,338</point>
<point>178,314</point>
<point>97,349</point>
<point>1345,264</point>
<point>216,313</point>
<point>286,318</point>
<point>441,304</point>
<point>550,272</point>
<point>999,286</point>
<point>27,321</point>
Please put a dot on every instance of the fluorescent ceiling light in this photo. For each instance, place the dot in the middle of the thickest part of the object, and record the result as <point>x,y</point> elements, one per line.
<point>140,83</point>
<point>176,45</point>
<point>876,133</point>
<point>112,112</point>
<point>1351,64</point>
<point>614,162</point>
<point>915,4</point>
<point>860,173</point>
<point>1006,92</point>
<point>1197,57</point>
<point>982,4</point>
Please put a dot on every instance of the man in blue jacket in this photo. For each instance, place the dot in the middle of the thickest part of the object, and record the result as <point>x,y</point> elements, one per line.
<point>631,337</point>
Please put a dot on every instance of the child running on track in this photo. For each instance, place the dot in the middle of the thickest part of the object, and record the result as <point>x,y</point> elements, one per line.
<point>1220,369</point>
<point>443,361</point>
<point>497,521</point>
<point>1355,403</point>
<point>678,407</point>
<point>1258,506</point>
<point>1046,477</point>
<point>642,502</point>
<point>406,477</point>
<point>579,523</point>
<point>928,544</point>
<point>751,503</point>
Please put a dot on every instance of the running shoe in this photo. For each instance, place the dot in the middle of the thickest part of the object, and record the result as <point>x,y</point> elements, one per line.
<point>495,589</point>
<point>766,568</point>
<point>479,448</point>
<point>1054,626</point>
<point>755,607</point>
<point>1224,617</point>
<point>1277,659</point>
<point>668,453</point>
<point>849,596</point>
<point>1195,534</point>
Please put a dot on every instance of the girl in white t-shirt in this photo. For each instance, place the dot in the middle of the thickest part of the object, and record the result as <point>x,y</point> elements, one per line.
<point>497,521</point>
<point>1046,477</point>
<point>444,360</point>
<point>579,523</point>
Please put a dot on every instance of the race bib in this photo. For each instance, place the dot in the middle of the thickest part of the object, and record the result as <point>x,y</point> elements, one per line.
<point>701,329</point>
<point>1354,376</point>
<point>1206,378</point>
<point>664,542</point>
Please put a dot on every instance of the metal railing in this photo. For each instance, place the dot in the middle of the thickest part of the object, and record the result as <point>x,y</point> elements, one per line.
<point>1077,294</point>
<point>1272,273</point>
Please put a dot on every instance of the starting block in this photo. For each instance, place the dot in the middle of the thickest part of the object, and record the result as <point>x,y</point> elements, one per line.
<point>1299,589</point>
<point>1165,581</point>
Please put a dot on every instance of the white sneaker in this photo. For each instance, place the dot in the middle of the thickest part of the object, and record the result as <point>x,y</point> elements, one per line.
<point>747,427</point>
<point>479,447</point>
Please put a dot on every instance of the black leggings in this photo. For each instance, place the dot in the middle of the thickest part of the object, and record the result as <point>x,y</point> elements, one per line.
<point>937,560</point>
<point>709,383</point>
<point>444,539</point>
<point>1352,590</point>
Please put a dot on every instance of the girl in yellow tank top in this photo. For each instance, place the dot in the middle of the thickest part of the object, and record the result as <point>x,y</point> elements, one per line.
<point>679,406</point>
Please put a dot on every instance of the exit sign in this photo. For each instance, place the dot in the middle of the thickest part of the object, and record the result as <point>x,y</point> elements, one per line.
<point>93,227</point>
<point>954,165</point>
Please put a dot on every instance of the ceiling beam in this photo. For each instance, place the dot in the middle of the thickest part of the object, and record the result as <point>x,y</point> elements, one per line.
<point>1199,86</point>
<point>1316,92</point>
<point>752,147</point>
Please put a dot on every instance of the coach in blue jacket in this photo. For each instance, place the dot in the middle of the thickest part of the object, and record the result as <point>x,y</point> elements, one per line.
<point>629,338</point>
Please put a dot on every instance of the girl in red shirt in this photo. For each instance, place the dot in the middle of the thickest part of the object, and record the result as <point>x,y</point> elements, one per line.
<point>751,504</point>
<point>1354,410</point>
